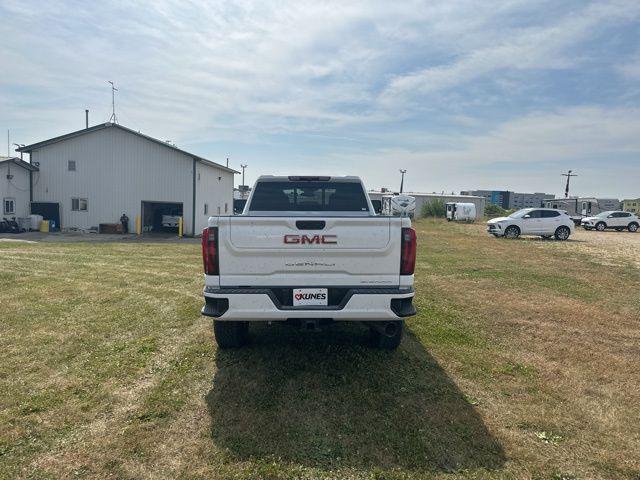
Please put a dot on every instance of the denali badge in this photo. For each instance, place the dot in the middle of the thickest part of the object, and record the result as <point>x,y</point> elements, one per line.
<point>310,239</point>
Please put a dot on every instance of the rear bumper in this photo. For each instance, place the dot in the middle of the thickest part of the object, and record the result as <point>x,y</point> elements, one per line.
<point>265,304</point>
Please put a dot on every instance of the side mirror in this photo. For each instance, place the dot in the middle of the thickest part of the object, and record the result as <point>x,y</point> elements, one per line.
<point>609,216</point>
<point>527,216</point>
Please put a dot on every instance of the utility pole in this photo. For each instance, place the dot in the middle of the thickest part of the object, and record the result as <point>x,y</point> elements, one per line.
<point>243,189</point>
<point>243,167</point>
<point>568,175</point>
<point>402,181</point>
<point>113,118</point>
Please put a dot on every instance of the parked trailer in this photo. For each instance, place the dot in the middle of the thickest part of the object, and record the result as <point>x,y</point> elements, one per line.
<point>581,207</point>
<point>461,212</point>
<point>399,205</point>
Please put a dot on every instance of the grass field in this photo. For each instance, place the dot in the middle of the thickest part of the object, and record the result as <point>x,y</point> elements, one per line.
<point>522,363</point>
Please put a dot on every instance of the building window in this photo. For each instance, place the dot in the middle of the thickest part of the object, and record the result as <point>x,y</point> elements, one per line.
<point>206,208</point>
<point>79,204</point>
<point>9,206</point>
<point>71,165</point>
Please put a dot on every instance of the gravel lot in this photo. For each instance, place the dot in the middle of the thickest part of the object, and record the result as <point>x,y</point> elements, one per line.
<point>609,247</point>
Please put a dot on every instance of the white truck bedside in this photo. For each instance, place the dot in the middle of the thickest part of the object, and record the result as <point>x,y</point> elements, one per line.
<point>308,251</point>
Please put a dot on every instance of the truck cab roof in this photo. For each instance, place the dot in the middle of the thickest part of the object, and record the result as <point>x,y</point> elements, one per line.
<point>308,178</point>
<point>309,195</point>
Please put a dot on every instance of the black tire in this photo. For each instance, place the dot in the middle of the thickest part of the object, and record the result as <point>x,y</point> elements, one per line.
<point>230,334</point>
<point>600,226</point>
<point>562,233</point>
<point>512,232</point>
<point>633,227</point>
<point>546,237</point>
<point>390,340</point>
<point>587,228</point>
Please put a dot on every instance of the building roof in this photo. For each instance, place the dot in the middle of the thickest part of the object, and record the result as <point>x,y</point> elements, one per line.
<point>19,162</point>
<point>61,138</point>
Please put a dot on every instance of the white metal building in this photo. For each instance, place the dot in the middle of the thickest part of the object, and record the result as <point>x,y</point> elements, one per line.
<point>15,186</point>
<point>94,175</point>
<point>422,198</point>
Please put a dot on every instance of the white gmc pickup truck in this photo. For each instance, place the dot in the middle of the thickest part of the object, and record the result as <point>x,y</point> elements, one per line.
<point>308,251</point>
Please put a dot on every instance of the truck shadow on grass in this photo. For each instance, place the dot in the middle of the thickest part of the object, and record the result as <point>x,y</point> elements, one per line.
<point>328,401</point>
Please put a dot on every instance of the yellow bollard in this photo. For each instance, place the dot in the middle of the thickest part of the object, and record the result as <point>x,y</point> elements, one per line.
<point>180,227</point>
<point>138,225</point>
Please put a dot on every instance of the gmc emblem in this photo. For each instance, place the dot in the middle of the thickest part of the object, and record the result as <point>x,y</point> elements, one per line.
<point>308,239</point>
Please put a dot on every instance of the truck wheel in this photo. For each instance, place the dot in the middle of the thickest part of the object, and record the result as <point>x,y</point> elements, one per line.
<point>633,227</point>
<point>600,226</point>
<point>512,232</point>
<point>230,334</point>
<point>562,233</point>
<point>387,335</point>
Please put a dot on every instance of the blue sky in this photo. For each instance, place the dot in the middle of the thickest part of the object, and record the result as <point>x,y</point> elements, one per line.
<point>462,94</point>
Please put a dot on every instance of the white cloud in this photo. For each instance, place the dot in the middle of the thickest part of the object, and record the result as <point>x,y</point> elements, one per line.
<point>631,69</point>
<point>525,154</point>
<point>541,47</point>
<point>349,74</point>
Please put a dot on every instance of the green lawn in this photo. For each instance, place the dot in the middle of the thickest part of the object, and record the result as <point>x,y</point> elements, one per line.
<point>522,363</point>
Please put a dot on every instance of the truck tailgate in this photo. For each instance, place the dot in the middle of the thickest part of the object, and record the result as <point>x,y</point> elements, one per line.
<point>303,251</point>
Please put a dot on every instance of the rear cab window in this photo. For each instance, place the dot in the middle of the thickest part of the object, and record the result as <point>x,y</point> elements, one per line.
<point>308,196</point>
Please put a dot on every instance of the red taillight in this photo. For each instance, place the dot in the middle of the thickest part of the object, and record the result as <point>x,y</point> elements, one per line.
<point>210,251</point>
<point>408,252</point>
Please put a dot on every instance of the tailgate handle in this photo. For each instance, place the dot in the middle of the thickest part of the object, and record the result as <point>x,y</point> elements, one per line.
<point>310,224</point>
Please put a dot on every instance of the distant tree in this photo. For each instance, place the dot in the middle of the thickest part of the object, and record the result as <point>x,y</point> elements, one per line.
<point>434,208</point>
<point>492,210</point>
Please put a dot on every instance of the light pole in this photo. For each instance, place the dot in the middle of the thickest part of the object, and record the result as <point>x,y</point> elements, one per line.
<point>402,181</point>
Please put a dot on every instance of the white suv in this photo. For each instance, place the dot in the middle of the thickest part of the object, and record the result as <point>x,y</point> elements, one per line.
<point>618,220</point>
<point>545,222</point>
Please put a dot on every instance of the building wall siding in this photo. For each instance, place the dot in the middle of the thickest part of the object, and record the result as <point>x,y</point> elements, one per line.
<point>16,188</point>
<point>215,189</point>
<point>632,205</point>
<point>509,200</point>
<point>115,171</point>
